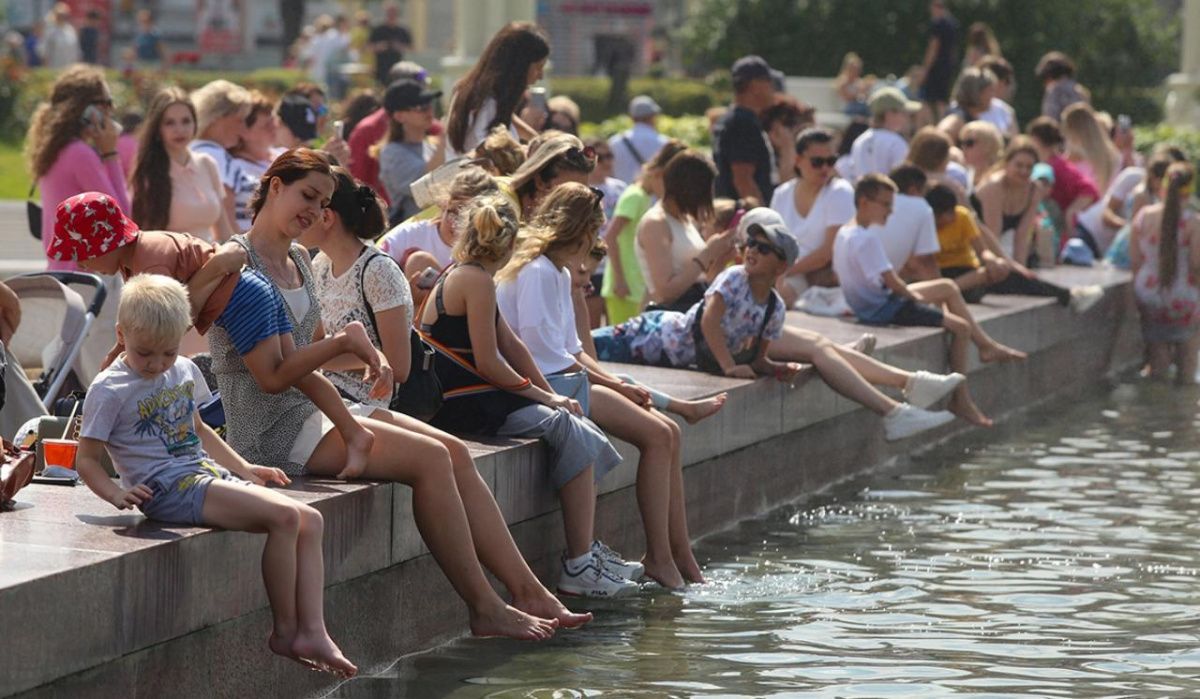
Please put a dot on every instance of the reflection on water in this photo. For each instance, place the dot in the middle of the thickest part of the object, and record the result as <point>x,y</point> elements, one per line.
<point>1054,556</point>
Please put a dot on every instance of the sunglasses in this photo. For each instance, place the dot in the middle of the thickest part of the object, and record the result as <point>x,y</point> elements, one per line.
<point>586,152</point>
<point>598,194</point>
<point>104,102</point>
<point>762,247</point>
<point>968,143</point>
<point>823,162</point>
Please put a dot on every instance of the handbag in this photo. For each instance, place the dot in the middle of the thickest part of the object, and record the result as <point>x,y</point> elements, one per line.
<point>420,396</point>
<point>33,212</point>
<point>16,472</point>
<point>704,356</point>
<point>689,298</point>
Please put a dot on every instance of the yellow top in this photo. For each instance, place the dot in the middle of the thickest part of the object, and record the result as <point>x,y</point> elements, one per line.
<point>955,240</point>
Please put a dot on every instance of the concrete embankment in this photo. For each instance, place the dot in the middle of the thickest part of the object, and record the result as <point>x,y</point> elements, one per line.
<point>98,602</point>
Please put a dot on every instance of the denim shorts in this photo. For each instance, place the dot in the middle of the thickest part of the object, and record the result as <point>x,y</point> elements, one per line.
<point>904,311</point>
<point>178,492</point>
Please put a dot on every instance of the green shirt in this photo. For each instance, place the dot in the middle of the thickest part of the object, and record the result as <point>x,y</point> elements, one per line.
<point>633,204</point>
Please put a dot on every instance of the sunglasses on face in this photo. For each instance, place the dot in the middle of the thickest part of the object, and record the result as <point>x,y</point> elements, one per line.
<point>762,247</point>
<point>823,162</point>
<point>586,152</point>
<point>968,143</point>
<point>598,194</point>
<point>104,102</point>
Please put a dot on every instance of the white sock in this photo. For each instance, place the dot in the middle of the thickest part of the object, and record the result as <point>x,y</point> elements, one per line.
<point>574,565</point>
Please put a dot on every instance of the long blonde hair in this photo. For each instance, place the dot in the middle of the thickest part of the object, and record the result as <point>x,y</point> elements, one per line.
<point>1178,183</point>
<point>1083,132</point>
<point>569,216</point>
<point>60,121</point>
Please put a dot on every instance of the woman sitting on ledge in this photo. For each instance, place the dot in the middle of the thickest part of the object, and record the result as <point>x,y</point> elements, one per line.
<point>285,430</point>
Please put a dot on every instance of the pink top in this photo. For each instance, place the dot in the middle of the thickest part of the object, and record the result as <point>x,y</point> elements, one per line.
<point>196,195</point>
<point>127,147</point>
<point>78,169</point>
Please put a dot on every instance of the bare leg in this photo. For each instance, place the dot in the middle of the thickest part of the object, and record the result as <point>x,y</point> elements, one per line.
<point>681,540</point>
<point>1186,362</point>
<point>423,464</point>
<point>803,346</point>
<point>696,410</point>
<point>944,291</point>
<point>961,403</point>
<point>292,567</point>
<point>632,423</point>
<point>578,498</point>
<point>493,542</point>
<point>324,395</point>
<point>1158,360</point>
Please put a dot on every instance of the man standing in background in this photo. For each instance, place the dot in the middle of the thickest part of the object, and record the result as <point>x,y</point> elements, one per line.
<point>941,58</point>
<point>389,41</point>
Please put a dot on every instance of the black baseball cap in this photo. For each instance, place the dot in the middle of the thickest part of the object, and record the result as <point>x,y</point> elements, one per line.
<point>297,113</point>
<point>406,94</point>
<point>749,68</point>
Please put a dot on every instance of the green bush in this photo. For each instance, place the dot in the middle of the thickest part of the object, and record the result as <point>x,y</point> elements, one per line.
<point>691,129</point>
<point>677,97</point>
<point>1187,139</point>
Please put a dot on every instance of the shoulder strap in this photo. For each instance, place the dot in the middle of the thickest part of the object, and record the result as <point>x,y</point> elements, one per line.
<point>772,301</point>
<point>371,254</point>
<point>632,151</point>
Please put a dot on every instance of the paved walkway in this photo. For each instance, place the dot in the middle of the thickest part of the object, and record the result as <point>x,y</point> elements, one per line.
<point>19,251</point>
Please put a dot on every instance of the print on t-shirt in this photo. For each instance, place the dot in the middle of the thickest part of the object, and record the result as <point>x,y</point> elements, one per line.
<point>167,415</point>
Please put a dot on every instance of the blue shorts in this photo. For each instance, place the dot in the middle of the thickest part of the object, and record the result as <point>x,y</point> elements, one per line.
<point>179,492</point>
<point>904,311</point>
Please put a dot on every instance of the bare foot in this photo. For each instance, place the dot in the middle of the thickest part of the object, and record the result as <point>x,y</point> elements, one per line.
<point>283,647</point>
<point>665,574</point>
<point>320,650</point>
<point>696,410</point>
<point>1000,353</point>
<point>544,605</point>
<point>512,623</point>
<point>689,568</point>
<point>965,408</point>
<point>358,448</point>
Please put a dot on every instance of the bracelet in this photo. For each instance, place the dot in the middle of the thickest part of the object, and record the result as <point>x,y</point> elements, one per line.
<point>517,387</point>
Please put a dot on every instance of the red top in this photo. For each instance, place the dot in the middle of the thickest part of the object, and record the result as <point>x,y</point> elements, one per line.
<point>1070,183</point>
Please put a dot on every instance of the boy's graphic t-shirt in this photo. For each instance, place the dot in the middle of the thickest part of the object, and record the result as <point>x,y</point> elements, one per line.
<point>146,423</point>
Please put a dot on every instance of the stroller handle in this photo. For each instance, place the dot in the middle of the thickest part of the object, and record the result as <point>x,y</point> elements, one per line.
<point>83,278</point>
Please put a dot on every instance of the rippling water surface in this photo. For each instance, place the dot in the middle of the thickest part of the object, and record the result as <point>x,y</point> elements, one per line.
<point>1054,556</point>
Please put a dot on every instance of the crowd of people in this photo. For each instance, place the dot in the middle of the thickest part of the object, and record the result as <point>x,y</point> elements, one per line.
<point>416,280</point>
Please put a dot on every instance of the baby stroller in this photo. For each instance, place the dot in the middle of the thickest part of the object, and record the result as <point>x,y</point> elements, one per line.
<point>55,324</point>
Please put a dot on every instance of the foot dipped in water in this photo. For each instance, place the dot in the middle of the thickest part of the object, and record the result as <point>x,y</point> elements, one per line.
<point>358,448</point>
<point>540,603</point>
<point>996,352</point>
<point>510,622</point>
<point>316,651</point>
<point>696,410</point>
<point>686,563</point>
<point>664,573</point>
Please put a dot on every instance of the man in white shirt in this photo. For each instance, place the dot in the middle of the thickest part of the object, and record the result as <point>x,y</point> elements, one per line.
<point>883,146</point>
<point>1000,113</point>
<point>632,148</point>
<point>910,235</point>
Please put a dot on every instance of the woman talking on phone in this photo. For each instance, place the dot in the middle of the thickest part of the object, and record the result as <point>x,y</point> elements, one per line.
<point>71,146</point>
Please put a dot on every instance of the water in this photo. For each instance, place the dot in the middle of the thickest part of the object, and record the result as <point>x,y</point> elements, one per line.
<point>1054,556</point>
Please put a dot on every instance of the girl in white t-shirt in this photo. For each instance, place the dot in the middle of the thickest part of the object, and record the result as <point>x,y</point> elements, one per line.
<point>534,295</point>
<point>814,205</point>
<point>488,95</point>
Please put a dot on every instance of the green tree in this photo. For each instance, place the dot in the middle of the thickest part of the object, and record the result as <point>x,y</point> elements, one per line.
<point>1123,49</point>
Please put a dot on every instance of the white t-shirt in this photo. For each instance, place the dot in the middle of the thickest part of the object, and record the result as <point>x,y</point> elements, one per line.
<point>1000,115</point>
<point>877,150</point>
<point>910,231</point>
<point>834,206</point>
<point>537,305</point>
<point>1122,186</point>
<point>146,424</point>
<point>645,139</point>
<point>420,234</point>
<point>477,130</point>
<point>859,261</point>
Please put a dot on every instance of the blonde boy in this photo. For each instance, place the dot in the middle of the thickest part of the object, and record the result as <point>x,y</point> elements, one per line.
<point>142,409</point>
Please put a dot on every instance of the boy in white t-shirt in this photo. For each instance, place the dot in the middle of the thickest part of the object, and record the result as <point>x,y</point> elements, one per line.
<point>142,409</point>
<point>883,147</point>
<point>879,297</point>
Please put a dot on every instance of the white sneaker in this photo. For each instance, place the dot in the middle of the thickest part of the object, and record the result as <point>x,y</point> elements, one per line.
<point>614,563</point>
<point>1084,297</point>
<point>906,421</point>
<point>593,580</point>
<point>926,388</point>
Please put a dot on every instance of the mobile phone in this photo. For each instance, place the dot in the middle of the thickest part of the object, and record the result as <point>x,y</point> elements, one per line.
<point>427,278</point>
<point>92,116</point>
<point>339,129</point>
<point>1124,122</point>
<point>537,98</point>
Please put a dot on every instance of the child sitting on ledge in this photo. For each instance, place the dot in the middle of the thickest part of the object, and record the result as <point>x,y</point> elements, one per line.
<point>879,297</point>
<point>730,330</point>
<point>142,409</point>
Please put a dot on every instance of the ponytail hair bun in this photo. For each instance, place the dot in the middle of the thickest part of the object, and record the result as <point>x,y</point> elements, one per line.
<point>357,205</point>
<point>487,230</point>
